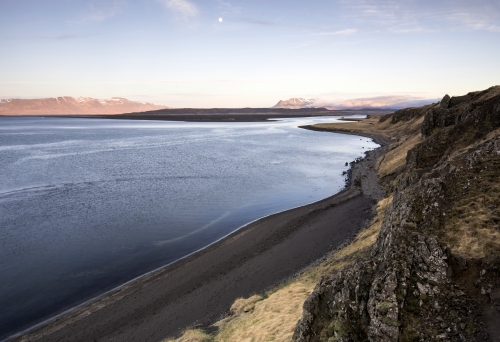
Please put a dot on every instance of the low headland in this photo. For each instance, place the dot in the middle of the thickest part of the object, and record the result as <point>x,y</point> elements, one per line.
<point>235,114</point>
<point>409,251</point>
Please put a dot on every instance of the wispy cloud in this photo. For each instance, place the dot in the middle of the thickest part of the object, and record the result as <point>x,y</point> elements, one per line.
<point>318,37</point>
<point>228,8</point>
<point>182,8</point>
<point>406,16</point>
<point>484,20</point>
<point>410,30</point>
<point>304,45</point>
<point>103,11</point>
<point>345,32</point>
<point>255,21</point>
<point>60,37</point>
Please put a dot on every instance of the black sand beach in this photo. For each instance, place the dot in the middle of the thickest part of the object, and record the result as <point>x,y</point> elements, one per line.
<point>201,288</point>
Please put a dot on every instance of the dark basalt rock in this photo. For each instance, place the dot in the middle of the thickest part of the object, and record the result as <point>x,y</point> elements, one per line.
<point>412,287</point>
<point>405,114</point>
<point>445,102</point>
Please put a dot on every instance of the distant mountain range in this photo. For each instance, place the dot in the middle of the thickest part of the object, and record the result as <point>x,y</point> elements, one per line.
<point>379,102</point>
<point>67,105</point>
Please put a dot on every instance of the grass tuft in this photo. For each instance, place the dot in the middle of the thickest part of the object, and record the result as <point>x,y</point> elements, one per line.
<point>272,319</point>
<point>192,335</point>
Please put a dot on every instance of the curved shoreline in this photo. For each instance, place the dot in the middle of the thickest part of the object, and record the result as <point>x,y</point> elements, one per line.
<point>152,272</point>
<point>382,141</point>
<point>163,302</point>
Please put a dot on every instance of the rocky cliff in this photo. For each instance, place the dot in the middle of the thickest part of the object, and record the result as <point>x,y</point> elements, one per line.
<point>434,272</point>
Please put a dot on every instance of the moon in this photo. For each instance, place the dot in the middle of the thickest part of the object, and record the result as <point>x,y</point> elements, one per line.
<point>220,20</point>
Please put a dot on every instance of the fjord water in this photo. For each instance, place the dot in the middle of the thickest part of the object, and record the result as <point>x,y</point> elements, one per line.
<point>88,204</point>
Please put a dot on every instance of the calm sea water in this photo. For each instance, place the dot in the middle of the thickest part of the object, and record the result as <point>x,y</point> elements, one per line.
<point>88,204</point>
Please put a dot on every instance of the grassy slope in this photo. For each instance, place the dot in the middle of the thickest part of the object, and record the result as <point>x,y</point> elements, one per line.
<point>472,228</point>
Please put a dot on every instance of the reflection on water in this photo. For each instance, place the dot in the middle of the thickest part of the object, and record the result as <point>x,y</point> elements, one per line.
<point>86,204</point>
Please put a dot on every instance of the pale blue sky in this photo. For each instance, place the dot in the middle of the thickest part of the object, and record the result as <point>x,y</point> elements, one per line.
<point>177,53</point>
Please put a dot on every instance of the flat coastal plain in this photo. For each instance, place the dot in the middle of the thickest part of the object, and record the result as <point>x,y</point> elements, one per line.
<point>199,289</point>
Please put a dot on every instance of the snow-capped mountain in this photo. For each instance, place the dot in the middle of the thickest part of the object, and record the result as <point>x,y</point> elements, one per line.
<point>377,102</point>
<point>67,105</point>
<point>295,103</point>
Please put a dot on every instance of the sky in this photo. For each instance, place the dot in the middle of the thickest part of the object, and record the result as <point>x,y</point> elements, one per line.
<point>179,53</point>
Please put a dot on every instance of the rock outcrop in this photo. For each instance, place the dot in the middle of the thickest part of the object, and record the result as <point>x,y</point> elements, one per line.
<point>434,272</point>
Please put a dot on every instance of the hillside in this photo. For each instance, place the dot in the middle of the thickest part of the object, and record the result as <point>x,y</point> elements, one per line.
<point>433,273</point>
<point>427,267</point>
<point>67,105</point>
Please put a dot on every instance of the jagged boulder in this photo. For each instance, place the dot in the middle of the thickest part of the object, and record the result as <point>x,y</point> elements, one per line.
<point>445,102</point>
<point>458,127</point>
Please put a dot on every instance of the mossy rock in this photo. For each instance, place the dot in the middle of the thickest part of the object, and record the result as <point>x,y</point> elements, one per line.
<point>330,331</point>
<point>384,307</point>
<point>409,225</point>
<point>410,337</point>
<point>337,329</point>
<point>341,328</point>
<point>388,321</point>
<point>469,328</point>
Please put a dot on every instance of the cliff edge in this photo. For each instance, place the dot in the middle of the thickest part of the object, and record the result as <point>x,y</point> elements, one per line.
<point>434,271</point>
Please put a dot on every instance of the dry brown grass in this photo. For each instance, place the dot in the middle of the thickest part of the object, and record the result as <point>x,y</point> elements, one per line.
<point>272,319</point>
<point>473,228</point>
<point>242,305</point>
<point>192,335</point>
<point>395,159</point>
<point>476,235</point>
<point>473,223</point>
<point>367,126</point>
<point>405,134</point>
<point>371,125</point>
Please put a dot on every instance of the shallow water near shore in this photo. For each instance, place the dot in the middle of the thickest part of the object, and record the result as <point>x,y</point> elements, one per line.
<point>88,204</point>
